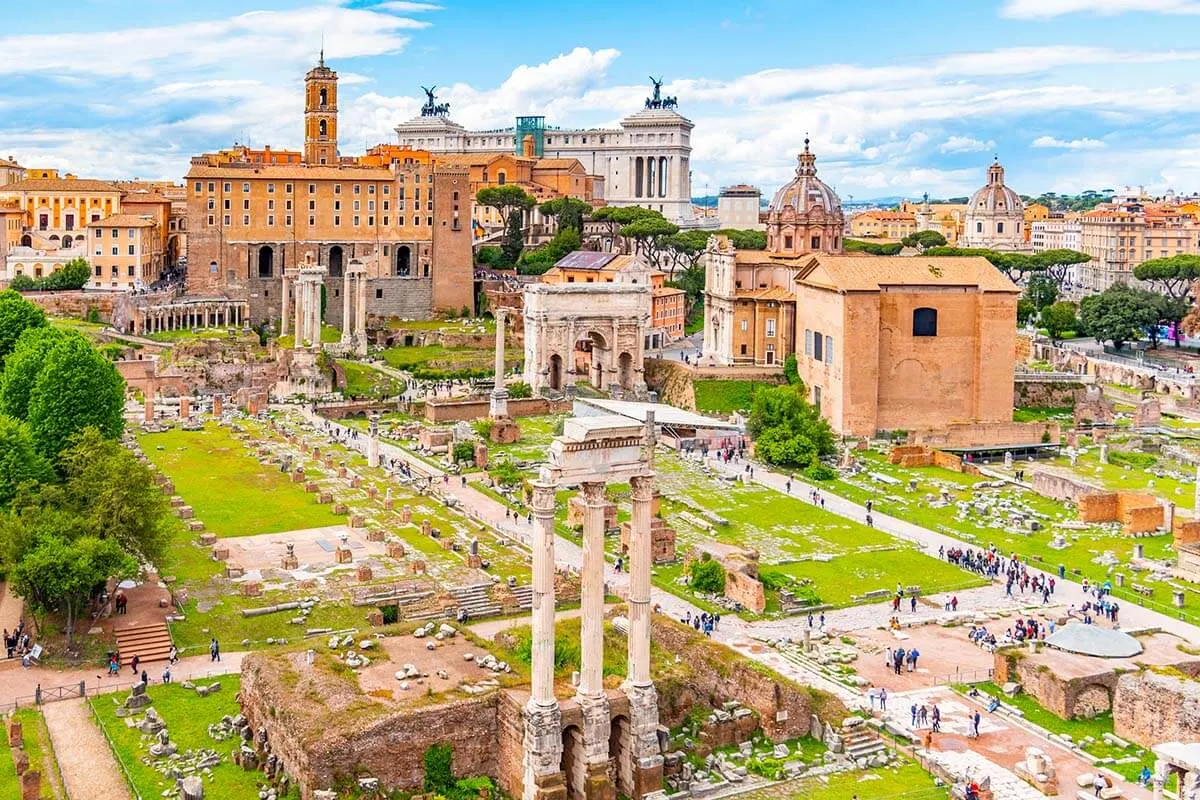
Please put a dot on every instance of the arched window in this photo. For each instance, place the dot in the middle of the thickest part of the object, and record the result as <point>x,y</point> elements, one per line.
<point>999,227</point>
<point>323,128</point>
<point>403,260</point>
<point>266,262</point>
<point>324,97</point>
<point>925,322</point>
<point>501,178</point>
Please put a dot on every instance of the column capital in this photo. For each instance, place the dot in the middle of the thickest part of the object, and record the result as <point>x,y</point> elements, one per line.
<point>643,487</point>
<point>593,493</point>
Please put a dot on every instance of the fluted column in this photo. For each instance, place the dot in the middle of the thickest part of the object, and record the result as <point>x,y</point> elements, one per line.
<point>347,329</point>
<point>360,320</point>
<point>285,308</point>
<point>299,289</point>
<point>499,404</point>
<point>639,581</point>
<point>591,679</point>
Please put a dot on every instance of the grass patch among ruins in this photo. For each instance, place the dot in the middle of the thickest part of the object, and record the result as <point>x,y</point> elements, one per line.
<point>724,397</point>
<point>36,740</point>
<point>363,380</point>
<point>229,490</point>
<point>187,716</point>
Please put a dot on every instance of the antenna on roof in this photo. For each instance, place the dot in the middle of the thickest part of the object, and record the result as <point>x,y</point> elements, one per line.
<point>321,60</point>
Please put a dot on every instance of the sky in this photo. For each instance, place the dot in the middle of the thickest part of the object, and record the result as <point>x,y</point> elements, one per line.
<point>899,97</point>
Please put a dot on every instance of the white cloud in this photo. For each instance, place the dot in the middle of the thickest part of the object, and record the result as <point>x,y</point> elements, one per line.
<point>1074,144</point>
<point>405,7</point>
<point>965,144</point>
<point>1046,9</point>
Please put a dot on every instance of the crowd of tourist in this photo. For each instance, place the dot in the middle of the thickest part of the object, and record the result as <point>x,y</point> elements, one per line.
<point>17,644</point>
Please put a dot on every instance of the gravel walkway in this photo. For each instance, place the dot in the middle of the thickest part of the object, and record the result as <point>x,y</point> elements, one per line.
<point>89,769</point>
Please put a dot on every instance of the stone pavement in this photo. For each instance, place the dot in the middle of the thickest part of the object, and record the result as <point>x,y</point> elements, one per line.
<point>89,768</point>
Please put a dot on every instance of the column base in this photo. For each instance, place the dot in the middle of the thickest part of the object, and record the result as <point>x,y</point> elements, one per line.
<point>597,783</point>
<point>647,753</point>
<point>499,404</point>
<point>544,779</point>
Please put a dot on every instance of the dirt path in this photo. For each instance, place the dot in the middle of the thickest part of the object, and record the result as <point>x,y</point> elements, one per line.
<point>89,768</point>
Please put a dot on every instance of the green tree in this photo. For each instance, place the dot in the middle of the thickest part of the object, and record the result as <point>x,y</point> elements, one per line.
<point>683,250</point>
<point>520,390</point>
<point>24,365</point>
<point>566,211</point>
<point>20,462</point>
<point>115,496</point>
<point>16,314</point>
<point>649,236</point>
<point>1119,314</point>
<point>61,577</point>
<point>788,431</point>
<point>505,199</point>
<point>73,275</point>
<point>22,283</point>
<point>924,240</point>
<point>489,256</point>
<point>790,370</point>
<point>872,248</point>
<point>744,239</point>
<point>1057,262</point>
<point>514,238</point>
<point>1173,276</point>
<point>536,262</point>
<point>1059,318</point>
<point>1171,311</point>
<point>1041,290</point>
<point>1025,310</point>
<point>618,217</point>
<point>708,576</point>
<point>76,388</point>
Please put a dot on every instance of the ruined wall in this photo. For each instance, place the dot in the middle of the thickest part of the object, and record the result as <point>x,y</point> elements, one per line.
<point>672,381</point>
<point>1150,708</point>
<point>989,434</point>
<point>1046,394</point>
<point>455,410</point>
<point>1058,485</point>
<point>322,741</point>
<point>1067,698</point>
<point>1137,513</point>
<point>75,304</point>
<point>717,674</point>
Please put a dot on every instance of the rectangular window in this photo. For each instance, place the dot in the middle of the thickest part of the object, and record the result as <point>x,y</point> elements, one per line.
<point>356,205</point>
<point>211,220</point>
<point>818,350</point>
<point>198,185</point>
<point>227,186</point>
<point>115,233</point>
<point>270,188</point>
<point>337,220</point>
<point>828,349</point>
<point>744,326</point>
<point>270,219</point>
<point>227,202</point>
<point>116,250</point>
<point>131,249</point>
<point>245,219</point>
<point>312,205</point>
<point>808,339</point>
<point>245,205</point>
<point>131,273</point>
<point>288,205</point>
<point>371,221</point>
<point>212,187</point>
<point>312,220</point>
<point>356,218</point>
<point>245,188</point>
<point>287,187</point>
<point>337,205</point>
<point>771,328</point>
<point>379,294</point>
<point>371,189</point>
<point>288,220</point>
<point>385,222</point>
<point>312,188</point>
<point>387,205</point>
<point>270,205</point>
<point>337,188</point>
<point>357,189</point>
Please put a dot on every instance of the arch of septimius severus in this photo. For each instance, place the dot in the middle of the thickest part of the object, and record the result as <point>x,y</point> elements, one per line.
<point>569,745</point>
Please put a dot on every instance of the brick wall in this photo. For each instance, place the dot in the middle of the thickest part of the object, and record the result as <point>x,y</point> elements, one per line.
<point>405,298</point>
<point>74,304</point>
<point>455,410</point>
<point>1150,708</point>
<point>1061,486</point>
<point>979,434</point>
<point>1067,698</point>
<point>1138,513</point>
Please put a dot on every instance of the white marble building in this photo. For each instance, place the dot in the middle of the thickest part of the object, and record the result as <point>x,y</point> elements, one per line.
<point>995,215</point>
<point>645,162</point>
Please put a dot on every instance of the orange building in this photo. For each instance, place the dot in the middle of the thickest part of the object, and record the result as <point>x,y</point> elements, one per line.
<point>889,225</point>
<point>125,251</point>
<point>667,305</point>
<point>249,219</point>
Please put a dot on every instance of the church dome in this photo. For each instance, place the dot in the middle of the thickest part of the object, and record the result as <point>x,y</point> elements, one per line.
<point>995,197</point>
<point>807,194</point>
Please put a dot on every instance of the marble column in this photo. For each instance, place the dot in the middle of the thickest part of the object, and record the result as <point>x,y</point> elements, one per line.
<point>590,694</point>
<point>543,718</point>
<point>639,688</point>
<point>360,319</point>
<point>299,289</point>
<point>347,329</point>
<point>499,404</point>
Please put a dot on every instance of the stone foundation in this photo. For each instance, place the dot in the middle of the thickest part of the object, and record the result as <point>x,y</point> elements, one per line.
<point>1151,708</point>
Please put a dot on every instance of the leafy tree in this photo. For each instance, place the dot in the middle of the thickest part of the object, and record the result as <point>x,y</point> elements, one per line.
<point>1171,311</point>
<point>24,365</point>
<point>22,283</point>
<point>76,388</point>
<point>1016,265</point>
<point>872,248</point>
<point>16,314</point>
<point>683,250</point>
<point>1041,290</point>
<point>924,240</point>
<point>790,370</point>
<point>536,262</point>
<point>708,576</point>
<point>60,577</point>
<point>1119,314</point>
<point>1025,310</point>
<point>788,430</point>
<point>505,199</point>
<point>115,496</point>
<point>745,239</point>
<point>1173,276</point>
<point>514,237</point>
<point>1056,262</point>
<point>1059,318</point>
<point>490,256</point>
<point>73,275</point>
<point>649,236</point>
<point>19,462</point>
<point>691,280</point>
<point>463,451</point>
<point>617,217</point>
<point>566,211</point>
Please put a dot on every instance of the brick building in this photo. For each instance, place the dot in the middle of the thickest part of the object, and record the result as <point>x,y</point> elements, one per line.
<point>254,214</point>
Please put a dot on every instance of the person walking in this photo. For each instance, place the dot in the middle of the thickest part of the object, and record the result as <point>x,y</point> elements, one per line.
<point>975,724</point>
<point>883,698</point>
<point>214,650</point>
<point>134,663</point>
<point>913,710</point>
<point>937,719</point>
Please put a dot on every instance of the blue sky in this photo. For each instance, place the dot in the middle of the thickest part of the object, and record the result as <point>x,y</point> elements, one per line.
<point>898,96</point>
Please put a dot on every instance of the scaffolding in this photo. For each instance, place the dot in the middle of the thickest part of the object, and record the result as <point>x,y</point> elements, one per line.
<point>530,126</point>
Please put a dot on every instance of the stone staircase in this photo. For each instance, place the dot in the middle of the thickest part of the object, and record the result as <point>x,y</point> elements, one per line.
<point>475,600</point>
<point>862,742</point>
<point>149,642</point>
<point>524,595</point>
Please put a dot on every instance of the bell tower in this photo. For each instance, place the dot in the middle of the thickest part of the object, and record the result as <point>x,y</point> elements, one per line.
<point>320,115</point>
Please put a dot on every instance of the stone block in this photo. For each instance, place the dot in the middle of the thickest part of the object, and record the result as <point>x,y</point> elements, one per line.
<point>298,476</point>
<point>426,527</point>
<point>234,572</point>
<point>208,539</point>
<point>341,472</point>
<point>184,512</point>
<point>31,785</point>
<point>176,501</point>
<point>388,503</point>
<point>289,562</point>
<point>15,738</point>
<point>358,520</point>
<point>341,508</point>
<point>324,498</point>
<point>405,515</point>
<point>195,525</point>
<point>355,482</point>
<point>372,492</point>
<point>252,589</point>
<point>374,535</point>
<point>375,617</point>
<point>363,572</point>
<point>342,555</point>
<point>220,553</point>
<point>395,549</point>
<point>311,487</point>
<point>416,566</point>
<point>474,562</point>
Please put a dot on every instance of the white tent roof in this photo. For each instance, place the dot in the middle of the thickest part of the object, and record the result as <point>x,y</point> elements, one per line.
<point>663,414</point>
<point>1092,640</point>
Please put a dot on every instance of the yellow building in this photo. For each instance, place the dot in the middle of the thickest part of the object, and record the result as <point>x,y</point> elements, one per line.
<point>57,210</point>
<point>125,251</point>
<point>10,171</point>
<point>1034,212</point>
<point>889,225</point>
<point>1120,236</point>
<point>948,219</point>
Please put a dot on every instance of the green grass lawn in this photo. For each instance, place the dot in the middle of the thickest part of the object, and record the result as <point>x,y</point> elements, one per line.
<point>10,787</point>
<point>1116,477</point>
<point>1040,414</point>
<point>186,335</point>
<point>444,325</point>
<point>329,335</point>
<point>363,380</point>
<point>906,781</point>
<point>536,435</point>
<point>229,490</point>
<point>39,749</point>
<point>187,716</point>
<point>1077,729</point>
<point>724,397</point>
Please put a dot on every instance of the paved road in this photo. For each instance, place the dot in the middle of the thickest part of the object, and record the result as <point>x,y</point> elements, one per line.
<point>89,768</point>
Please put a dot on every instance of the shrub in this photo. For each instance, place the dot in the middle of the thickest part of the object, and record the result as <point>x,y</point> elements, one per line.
<point>463,451</point>
<point>1131,458</point>
<point>465,312</point>
<point>790,371</point>
<point>484,427</point>
<point>439,771</point>
<point>505,473</point>
<point>708,576</point>
<point>520,390</point>
<point>820,472</point>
